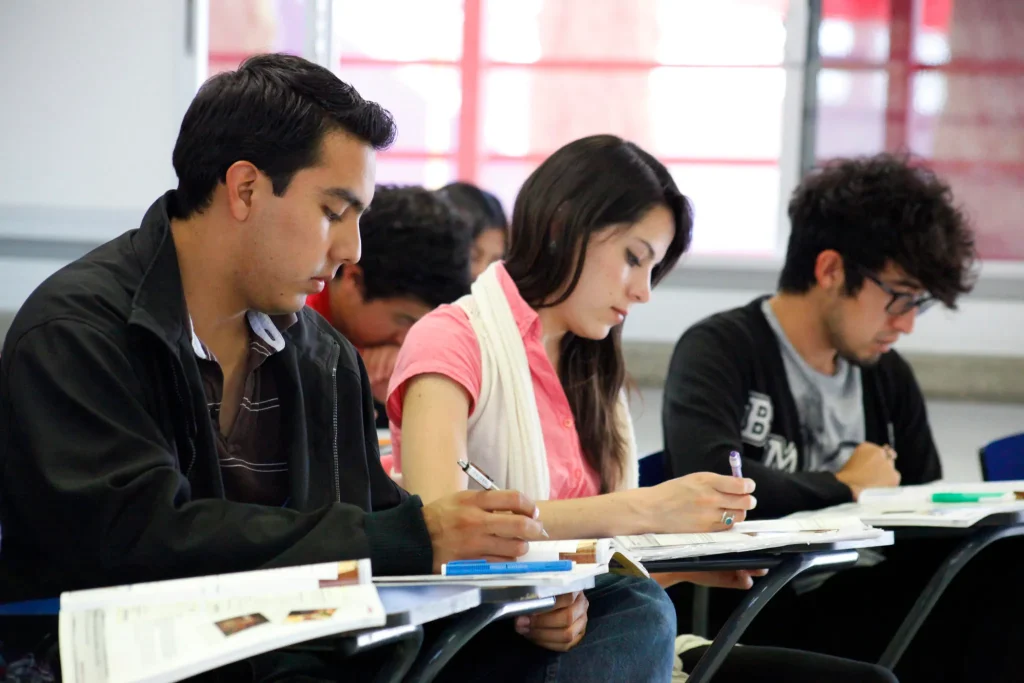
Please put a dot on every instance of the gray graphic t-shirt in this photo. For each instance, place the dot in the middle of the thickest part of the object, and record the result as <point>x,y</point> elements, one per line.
<point>831,409</point>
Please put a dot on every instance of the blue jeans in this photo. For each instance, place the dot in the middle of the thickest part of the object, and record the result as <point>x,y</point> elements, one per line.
<point>631,627</point>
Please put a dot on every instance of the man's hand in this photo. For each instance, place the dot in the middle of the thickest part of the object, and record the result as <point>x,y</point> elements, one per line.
<point>870,466</point>
<point>561,628</point>
<point>470,525</point>
<point>380,364</point>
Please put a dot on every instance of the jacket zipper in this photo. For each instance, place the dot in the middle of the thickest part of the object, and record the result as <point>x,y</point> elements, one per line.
<point>191,443</point>
<point>334,421</point>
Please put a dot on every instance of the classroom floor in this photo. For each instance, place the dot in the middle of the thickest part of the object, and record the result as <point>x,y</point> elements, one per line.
<point>960,429</point>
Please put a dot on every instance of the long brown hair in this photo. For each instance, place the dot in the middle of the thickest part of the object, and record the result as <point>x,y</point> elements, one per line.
<point>584,187</point>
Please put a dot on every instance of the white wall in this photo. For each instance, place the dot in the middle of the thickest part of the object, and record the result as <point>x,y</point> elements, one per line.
<point>986,327</point>
<point>94,92</point>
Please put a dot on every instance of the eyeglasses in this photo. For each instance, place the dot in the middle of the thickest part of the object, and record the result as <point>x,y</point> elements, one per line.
<point>901,303</point>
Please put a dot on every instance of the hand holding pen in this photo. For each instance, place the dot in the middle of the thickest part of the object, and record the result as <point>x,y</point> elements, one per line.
<point>478,525</point>
<point>487,484</point>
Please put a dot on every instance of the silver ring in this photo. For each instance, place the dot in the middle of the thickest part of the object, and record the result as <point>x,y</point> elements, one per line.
<point>727,517</point>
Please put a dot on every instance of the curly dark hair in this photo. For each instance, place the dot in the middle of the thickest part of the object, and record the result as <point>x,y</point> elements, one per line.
<point>415,245</point>
<point>876,210</point>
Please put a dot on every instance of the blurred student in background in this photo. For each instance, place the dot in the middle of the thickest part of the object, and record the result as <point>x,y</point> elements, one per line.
<point>489,225</point>
<point>415,257</point>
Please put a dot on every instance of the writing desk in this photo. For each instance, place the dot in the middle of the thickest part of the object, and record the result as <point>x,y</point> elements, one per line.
<point>785,563</point>
<point>987,531</point>
<point>407,608</point>
<point>498,602</point>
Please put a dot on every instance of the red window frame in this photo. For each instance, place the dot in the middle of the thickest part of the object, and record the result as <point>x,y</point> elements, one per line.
<point>901,68</point>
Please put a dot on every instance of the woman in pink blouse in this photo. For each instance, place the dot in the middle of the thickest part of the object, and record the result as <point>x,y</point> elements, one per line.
<point>525,377</point>
<point>593,229</point>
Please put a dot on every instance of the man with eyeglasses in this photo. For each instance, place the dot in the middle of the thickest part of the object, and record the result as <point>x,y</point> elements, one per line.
<point>806,386</point>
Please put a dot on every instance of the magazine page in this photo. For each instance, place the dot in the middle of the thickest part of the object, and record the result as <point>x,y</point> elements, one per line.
<point>771,534</point>
<point>284,579</point>
<point>172,641</point>
<point>147,632</point>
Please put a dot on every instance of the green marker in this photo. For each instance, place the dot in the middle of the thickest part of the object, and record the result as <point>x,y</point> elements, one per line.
<point>970,497</point>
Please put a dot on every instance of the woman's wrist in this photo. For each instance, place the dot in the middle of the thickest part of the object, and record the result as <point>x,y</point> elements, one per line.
<point>643,509</point>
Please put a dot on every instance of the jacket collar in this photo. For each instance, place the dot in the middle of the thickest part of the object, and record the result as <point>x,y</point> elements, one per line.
<point>159,302</point>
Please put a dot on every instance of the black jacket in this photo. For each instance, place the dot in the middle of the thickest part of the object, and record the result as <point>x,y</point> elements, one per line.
<point>109,466</point>
<point>727,390</point>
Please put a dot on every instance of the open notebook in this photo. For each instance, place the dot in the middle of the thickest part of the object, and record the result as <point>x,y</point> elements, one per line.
<point>905,506</point>
<point>170,630</point>
<point>752,536</point>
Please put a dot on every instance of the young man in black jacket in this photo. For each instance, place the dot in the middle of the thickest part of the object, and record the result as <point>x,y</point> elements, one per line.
<point>169,408</point>
<point>805,385</point>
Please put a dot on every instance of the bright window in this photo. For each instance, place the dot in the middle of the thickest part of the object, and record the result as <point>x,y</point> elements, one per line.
<point>484,90</point>
<point>241,28</point>
<point>943,79</point>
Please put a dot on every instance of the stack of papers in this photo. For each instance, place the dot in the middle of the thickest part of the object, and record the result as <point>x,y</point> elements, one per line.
<point>912,505</point>
<point>170,630</point>
<point>754,536</point>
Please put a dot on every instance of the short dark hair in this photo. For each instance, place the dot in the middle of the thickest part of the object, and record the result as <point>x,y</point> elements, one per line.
<point>482,208</point>
<point>874,211</point>
<point>273,111</point>
<point>415,245</point>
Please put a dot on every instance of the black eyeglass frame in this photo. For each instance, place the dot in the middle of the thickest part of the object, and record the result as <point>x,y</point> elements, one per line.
<point>909,302</point>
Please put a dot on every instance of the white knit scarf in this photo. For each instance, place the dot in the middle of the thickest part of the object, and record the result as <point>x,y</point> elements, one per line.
<point>505,437</point>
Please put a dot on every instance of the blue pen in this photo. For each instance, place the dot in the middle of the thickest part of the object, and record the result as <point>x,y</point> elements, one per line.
<point>483,568</point>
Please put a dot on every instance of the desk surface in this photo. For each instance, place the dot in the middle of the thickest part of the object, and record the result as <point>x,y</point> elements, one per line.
<point>416,605</point>
<point>761,559</point>
<point>998,519</point>
<point>518,593</point>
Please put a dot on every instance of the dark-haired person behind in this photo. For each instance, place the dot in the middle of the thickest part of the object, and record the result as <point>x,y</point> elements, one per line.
<point>170,408</point>
<point>806,385</point>
<point>415,257</point>
<point>489,223</point>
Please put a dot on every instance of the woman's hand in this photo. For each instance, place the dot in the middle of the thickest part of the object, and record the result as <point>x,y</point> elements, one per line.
<point>742,579</point>
<point>698,502</point>
<point>559,629</point>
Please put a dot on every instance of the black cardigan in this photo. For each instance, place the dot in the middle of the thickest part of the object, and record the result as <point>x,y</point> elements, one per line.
<point>727,390</point>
